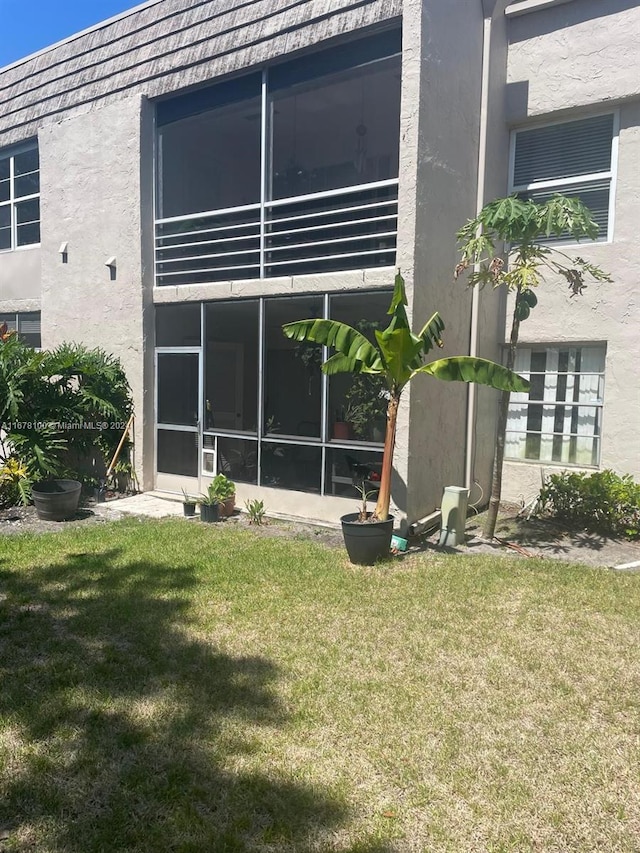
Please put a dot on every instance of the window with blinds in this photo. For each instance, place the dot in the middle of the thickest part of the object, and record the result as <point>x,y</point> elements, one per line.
<point>26,325</point>
<point>575,158</point>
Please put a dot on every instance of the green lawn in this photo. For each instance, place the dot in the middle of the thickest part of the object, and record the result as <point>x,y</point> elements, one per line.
<point>172,686</point>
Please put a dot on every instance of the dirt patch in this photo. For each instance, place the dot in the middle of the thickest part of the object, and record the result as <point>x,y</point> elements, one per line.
<point>516,536</point>
<point>23,519</point>
<point>540,537</point>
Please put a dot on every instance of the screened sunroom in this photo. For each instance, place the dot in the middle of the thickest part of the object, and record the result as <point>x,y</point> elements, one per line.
<point>279,173</point>
<point>289,170</point>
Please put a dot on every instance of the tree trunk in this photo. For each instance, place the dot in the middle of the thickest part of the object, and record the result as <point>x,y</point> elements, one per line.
<point>503,412</point>
<point>384,495</point>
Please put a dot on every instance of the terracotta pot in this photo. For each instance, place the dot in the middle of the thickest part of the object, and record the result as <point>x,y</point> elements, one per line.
<point>342,429</point>
<point>227,507</point>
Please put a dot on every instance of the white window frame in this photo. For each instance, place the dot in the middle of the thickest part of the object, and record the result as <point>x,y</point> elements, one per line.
<point>551,373</point>
<point>11,153</point>
<point>564,184</point>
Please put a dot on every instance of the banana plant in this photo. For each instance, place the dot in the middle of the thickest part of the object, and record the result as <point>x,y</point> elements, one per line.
<point>397,355</point>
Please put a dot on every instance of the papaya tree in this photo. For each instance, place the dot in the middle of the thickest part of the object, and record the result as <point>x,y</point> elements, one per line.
<point>397,356</point>
<point>520,227</point>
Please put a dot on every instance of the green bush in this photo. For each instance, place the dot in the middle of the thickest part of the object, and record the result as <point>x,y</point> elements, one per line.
<point>603,502</point>
<point>60,406</point>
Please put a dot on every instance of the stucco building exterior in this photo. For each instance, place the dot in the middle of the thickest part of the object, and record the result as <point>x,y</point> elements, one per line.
<point>178,182</point>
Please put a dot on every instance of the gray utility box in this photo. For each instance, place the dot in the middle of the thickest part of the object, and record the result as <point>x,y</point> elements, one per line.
<point>454,515</point>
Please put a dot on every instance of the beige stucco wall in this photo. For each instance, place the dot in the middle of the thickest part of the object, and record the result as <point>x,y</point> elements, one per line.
<point>92,169</point>
<point>439,153</point>
<point>582,53</point>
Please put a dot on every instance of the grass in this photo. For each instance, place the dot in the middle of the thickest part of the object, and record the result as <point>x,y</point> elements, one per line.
<point>166,686</point>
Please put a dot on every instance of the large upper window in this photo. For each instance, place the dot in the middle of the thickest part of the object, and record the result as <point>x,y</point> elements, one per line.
<point>560,419</point>
<point>288,171</point>
<point>19,197</point>
<point>575,158</point>
<point>210,158</point>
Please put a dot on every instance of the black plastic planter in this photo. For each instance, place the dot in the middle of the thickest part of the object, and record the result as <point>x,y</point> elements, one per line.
<point>209,512</point>
<point>56,500</point>
<point>189,508</point>
<point>366,541</point>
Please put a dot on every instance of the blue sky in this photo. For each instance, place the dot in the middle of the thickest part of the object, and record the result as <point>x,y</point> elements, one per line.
<point>29,25</point>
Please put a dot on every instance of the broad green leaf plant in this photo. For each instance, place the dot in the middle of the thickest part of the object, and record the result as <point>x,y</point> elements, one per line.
<point>397,356</point>
<point>52,402</point>
<point>504,247</point>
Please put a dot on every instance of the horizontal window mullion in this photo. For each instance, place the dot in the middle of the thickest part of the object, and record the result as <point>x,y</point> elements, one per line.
<point>177,428</point>
<point>564,182</point>
<point>515,408</point>
<point>229,433</point>
<point>347,223</point>
<point>334,211</point>
<point>350,190</point>
<point>292,439</point>
<point>364,253</point>
<point>193,243</point>
<point>210,269</point>
<point>215,230</point>
<point>312,243</point>
<point>567,373</point>
<point>224,211</point>
<point>592,436</point>
<point>20,198</point>
<point>208,257</point>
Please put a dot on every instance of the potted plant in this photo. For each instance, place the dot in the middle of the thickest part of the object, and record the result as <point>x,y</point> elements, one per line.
<point>56,500</point>
<point>341,426</point>
<point>365,543</point>
<point>396,357</point>
<point>209,506</point>
<point>224,490</point>
<point>188,505</point>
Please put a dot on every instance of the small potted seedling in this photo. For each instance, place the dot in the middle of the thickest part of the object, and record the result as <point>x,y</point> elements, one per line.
<point>188,505</point>
<point>362,547</point>
<point>209,506</point>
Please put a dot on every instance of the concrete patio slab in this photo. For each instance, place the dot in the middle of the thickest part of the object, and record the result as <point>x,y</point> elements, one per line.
<point>146,504</point>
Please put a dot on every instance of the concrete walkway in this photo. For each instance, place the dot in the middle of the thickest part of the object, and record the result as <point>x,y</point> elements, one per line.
<point>146,504</point>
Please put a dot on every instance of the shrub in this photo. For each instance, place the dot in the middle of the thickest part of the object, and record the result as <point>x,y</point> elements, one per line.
<point>57,407</point>
<point>602,502</point>
<point>255,511</point>
<point>15,483</point>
